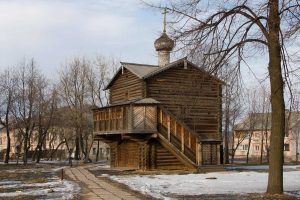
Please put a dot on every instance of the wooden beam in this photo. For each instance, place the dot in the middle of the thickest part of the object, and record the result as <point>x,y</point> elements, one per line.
<point>182,139</point>
<point>161,115</point>
<point>131,117</point>
<point>144,120</point>
<point>189,140</point>
<point>109,119</point>
<point>198,159</point>
<point>122,118</point>
<point>169,127</point>
<point>175,128</point>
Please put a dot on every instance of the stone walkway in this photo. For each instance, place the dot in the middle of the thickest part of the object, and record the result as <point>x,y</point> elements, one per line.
<point>95,188</point>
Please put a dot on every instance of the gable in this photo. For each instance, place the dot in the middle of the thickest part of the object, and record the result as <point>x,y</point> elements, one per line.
<point>143,71</point>
<point>183,63</point>
<point>126,87</point>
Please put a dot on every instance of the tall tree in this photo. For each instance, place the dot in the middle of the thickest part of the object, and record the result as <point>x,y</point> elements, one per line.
<point>7,86</point>
<point>236,30</point>
<point>81,87</point>
<point>25,104</point>
<point>47,102</point>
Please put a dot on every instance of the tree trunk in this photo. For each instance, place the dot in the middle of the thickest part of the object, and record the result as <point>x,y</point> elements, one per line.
<point>7,146</point>
<point>77,148</point>
<point>226,135</point>
<point>249,144</point>
<point>297,138</point>
<point>275,180</point>
<point>25,149</point>
<point>97,155</point>
<point>262,147</point>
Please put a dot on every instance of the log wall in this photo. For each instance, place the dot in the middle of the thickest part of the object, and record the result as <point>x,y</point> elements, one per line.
<point>192,96</point>
<point>126,87</point>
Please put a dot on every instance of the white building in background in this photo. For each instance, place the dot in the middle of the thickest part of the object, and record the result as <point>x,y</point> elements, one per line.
<point>256,128</point>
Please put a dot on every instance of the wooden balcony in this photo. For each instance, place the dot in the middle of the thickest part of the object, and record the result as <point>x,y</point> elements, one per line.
<point>135,117</point>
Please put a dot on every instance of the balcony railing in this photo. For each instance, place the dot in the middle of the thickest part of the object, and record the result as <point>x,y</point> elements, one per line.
<point>126,118</point>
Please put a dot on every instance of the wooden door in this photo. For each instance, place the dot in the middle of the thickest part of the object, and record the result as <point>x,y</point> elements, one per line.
<point>128,154</point>
<point>144,117</point>
<point>209,154</point>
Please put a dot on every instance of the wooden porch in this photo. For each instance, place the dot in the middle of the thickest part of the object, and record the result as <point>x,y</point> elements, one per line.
<point>125,118</point>
<point>137,120</point>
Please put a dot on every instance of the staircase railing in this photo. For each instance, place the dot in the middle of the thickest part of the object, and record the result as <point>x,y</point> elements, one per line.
<point>179,135</point>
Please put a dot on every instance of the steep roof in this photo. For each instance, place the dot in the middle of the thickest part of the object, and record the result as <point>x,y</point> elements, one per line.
<point>140,70</point>
<point>144,71</point>
<point>256,121</point>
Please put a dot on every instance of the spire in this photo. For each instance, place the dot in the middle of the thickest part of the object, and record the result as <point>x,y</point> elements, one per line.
<point>165,21</point>
<point>164,44</point>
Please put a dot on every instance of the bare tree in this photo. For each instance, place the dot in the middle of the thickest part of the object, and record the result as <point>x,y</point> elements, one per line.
<point>237,138</point>
<point>25,106</point>
<point>7,86</point>
<point>234,30</point>
<point>74,92</point>
<point>47,102</point>
<point>98,75</point>
<point>231,105</point>
<point>81,88</point>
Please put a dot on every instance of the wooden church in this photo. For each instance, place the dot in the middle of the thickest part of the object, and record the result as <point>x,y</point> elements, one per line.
<point>162,117</point>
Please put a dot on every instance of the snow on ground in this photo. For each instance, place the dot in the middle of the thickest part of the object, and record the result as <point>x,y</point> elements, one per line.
<point>56,189</point>
<point>161,186</point>
<point>261,167</point>
<point>53,188</point>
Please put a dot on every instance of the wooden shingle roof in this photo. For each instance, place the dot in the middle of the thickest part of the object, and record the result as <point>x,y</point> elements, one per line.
<point>144,71</point>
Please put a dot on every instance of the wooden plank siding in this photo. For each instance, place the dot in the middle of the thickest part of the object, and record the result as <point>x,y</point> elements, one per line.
<point>128,118</point>
<point>192,96</point>
<point>126,87</point>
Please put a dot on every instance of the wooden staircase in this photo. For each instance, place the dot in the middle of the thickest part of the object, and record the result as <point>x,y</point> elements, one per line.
<point>166,160</point>
<point>178,139</point>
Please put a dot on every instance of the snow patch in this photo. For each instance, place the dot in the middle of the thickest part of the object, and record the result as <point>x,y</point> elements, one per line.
<point>164,186</point>
<point>56,189</point>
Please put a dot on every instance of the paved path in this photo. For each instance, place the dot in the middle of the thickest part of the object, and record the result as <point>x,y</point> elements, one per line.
<point>96,188</point>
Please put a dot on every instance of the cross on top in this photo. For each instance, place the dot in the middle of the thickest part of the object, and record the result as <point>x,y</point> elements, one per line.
<point>165,22</point>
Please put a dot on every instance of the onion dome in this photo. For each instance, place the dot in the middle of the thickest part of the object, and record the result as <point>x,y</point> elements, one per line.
<point>164,43</point>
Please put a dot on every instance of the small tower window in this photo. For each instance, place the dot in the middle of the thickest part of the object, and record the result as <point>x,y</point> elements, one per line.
<point>126,95</point>
<point>286,147</point>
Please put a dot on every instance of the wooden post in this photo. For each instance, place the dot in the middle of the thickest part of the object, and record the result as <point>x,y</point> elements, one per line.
<point>131,117</point>
<point>109,120</point>
<point>175,128</point>
<point>122,118</point>
<point>161,116</point>
<point>169,127</point>
<point>218,154</point>
<point>182,139</point>
<point>189,140</point>
<point>198,152</point>
<point>144,120</point>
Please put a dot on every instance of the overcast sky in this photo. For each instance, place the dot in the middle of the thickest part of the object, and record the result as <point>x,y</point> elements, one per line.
<point>54,31</point>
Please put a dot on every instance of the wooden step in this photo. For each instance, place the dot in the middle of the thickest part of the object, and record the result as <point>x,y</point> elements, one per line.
<point>211,168</point>
<point>167,146</point>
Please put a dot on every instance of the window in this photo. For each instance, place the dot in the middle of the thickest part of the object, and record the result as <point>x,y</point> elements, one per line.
<point>0,141</point>
<point>94,151</point>
<point>257,148</point>
<point>286,147</point>
<point>126,95</point>
<point>245,147</point>
<point>107,151</point>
